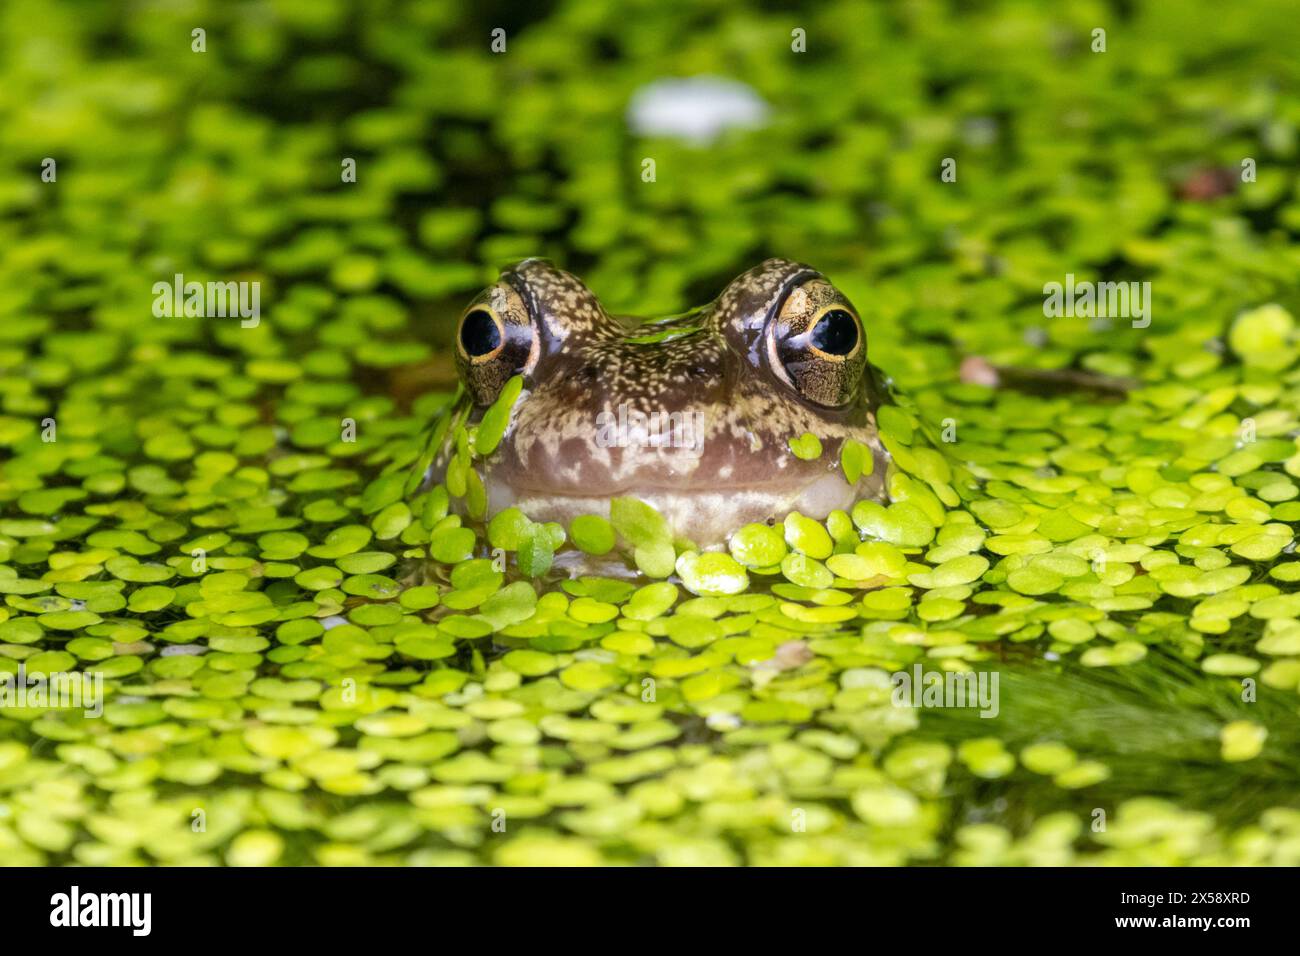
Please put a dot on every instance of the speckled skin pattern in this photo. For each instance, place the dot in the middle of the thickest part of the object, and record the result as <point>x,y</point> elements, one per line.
<point>721,374</point>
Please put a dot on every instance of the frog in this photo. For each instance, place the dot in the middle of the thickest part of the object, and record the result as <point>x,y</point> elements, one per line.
<point>699,415</point>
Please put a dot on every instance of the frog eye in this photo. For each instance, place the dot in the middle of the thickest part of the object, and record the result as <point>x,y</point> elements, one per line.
<point>481,334</point>
<point>836,334</point>
<point>816,343</point>
<point>495,339</point>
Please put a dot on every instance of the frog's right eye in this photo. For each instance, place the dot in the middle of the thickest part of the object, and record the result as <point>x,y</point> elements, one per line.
<point>495,339</point>
<point>481,335</point>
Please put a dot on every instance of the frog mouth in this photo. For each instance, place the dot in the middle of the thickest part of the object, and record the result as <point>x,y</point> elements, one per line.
<point>705,516</point>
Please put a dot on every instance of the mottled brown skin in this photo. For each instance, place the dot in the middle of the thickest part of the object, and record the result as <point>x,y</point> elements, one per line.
<point>745,367</point>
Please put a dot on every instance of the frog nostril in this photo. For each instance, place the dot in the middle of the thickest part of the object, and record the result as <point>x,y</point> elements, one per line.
<point>479,333</point>
<point>836,333</point>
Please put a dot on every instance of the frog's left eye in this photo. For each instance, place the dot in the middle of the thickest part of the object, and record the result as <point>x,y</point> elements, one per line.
<point>835,334</point>
<point>816,343</point>
<point>495,339</point>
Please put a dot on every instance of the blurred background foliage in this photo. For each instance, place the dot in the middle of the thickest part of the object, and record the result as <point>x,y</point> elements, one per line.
<point>1068,160</point>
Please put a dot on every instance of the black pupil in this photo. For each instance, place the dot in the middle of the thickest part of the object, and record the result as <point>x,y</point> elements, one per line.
<point>479,333</point>
<point>836,333</point>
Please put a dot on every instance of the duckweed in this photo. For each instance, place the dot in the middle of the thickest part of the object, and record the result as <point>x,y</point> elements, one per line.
<point>807,447</point>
